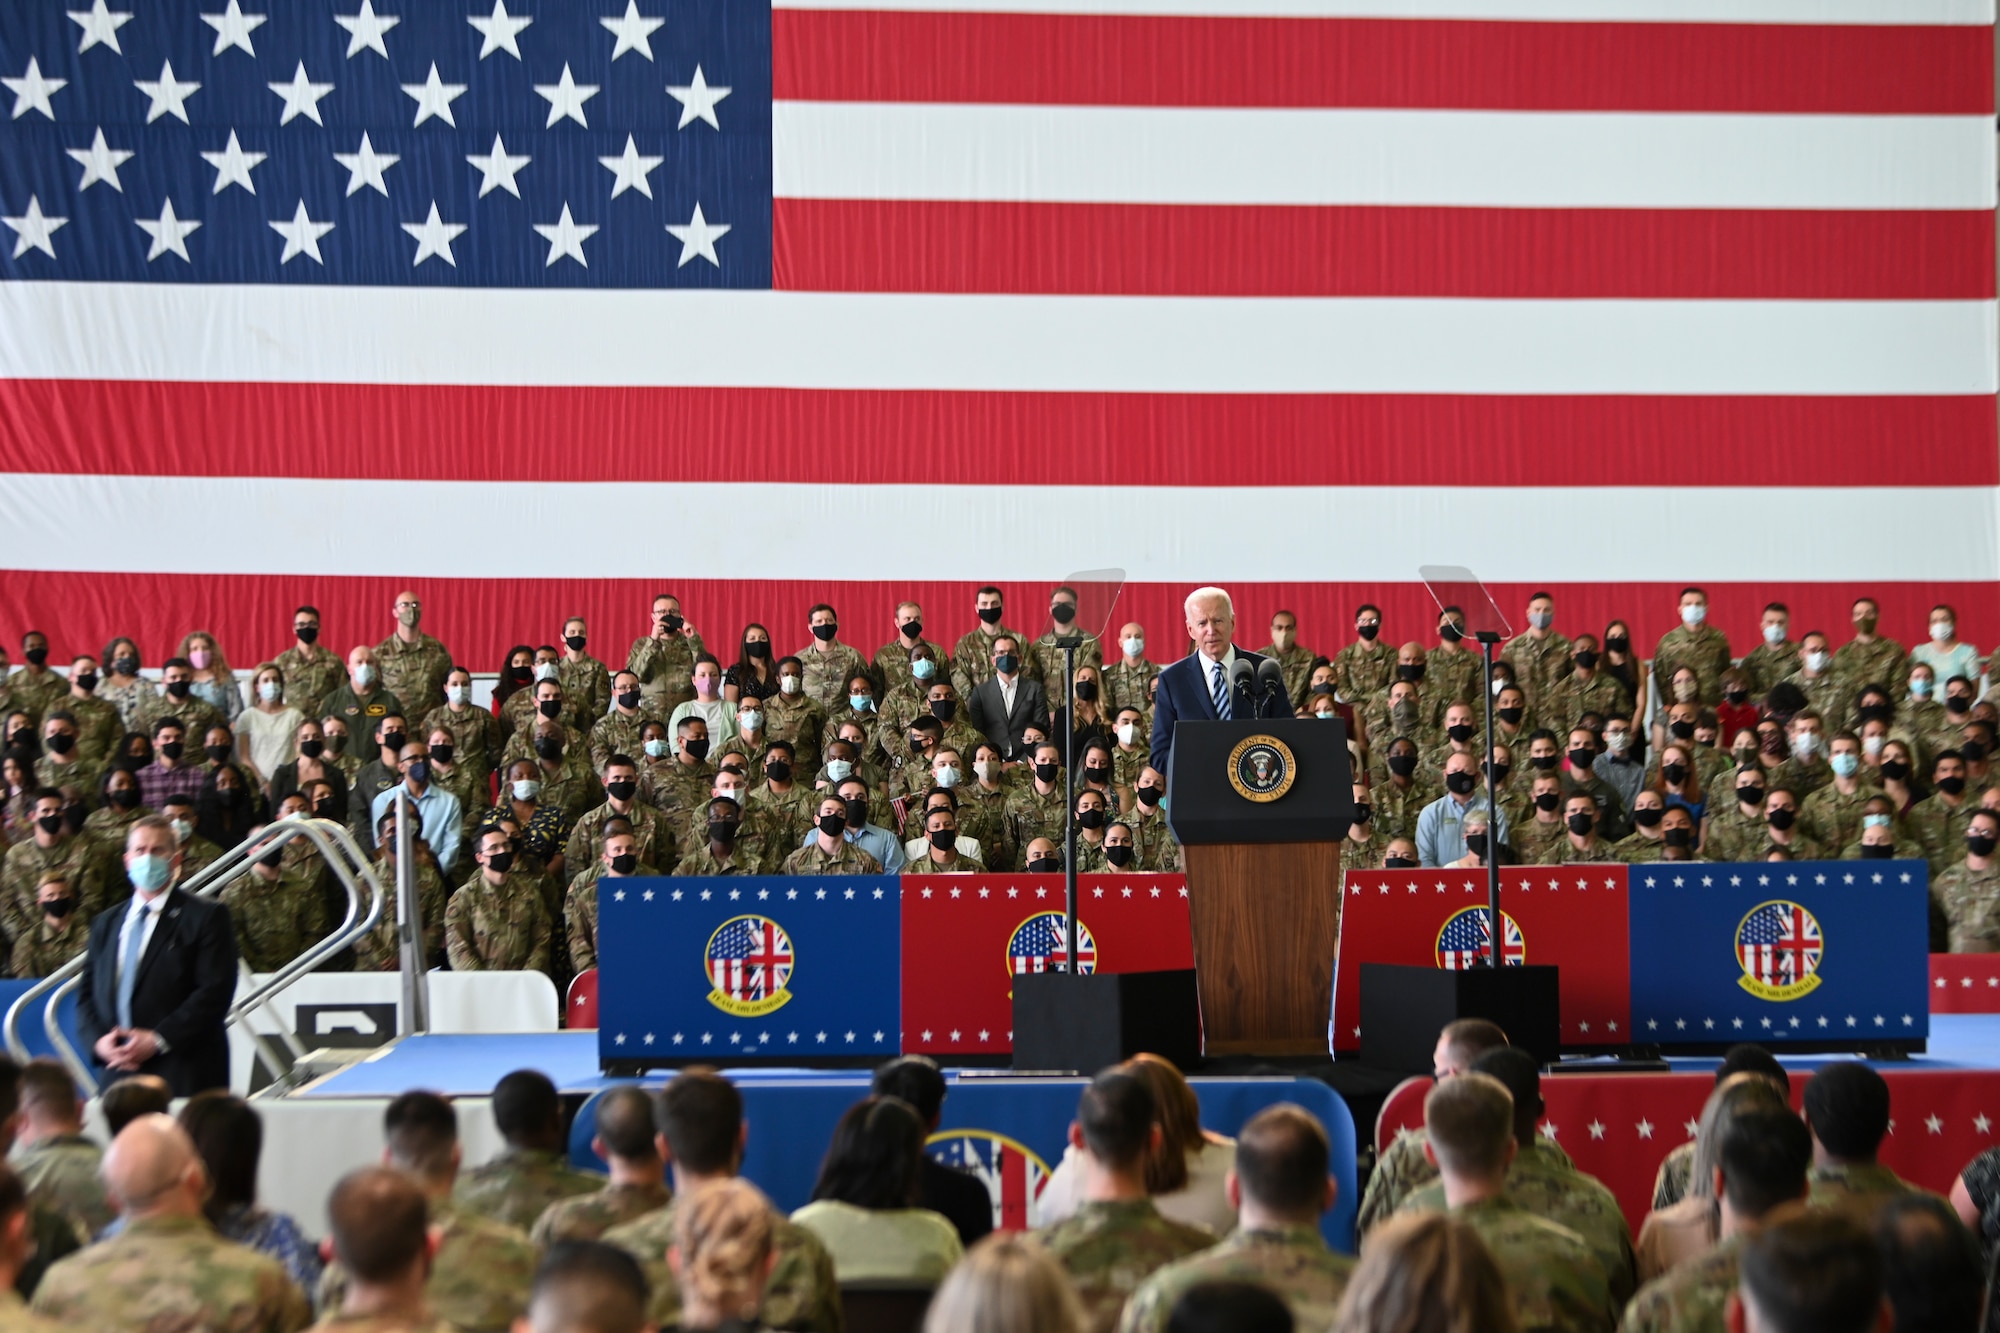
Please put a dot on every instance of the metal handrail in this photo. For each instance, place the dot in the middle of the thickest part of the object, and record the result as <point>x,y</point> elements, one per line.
<point>343,856</point>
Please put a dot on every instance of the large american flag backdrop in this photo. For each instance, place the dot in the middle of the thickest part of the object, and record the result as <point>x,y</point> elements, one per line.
<point>542,306</point>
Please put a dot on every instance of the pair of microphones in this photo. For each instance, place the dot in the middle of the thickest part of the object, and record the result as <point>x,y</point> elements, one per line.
<point>1253,687</point>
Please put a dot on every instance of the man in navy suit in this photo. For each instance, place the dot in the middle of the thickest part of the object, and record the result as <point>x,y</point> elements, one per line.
<point>1196,688</point>
<point>160,974</point>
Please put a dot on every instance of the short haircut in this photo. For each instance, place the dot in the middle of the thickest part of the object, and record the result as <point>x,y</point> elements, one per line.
<point>1749,1058</point>
<point>875,1159</point>
<point>525,1105</point>
<point>1517,1072</point>
<point>129,1098</point>
<point>917,1080</point>
<point>701,1115</point>
<point>1117,1113</point>
<point>1466,1039</point>
<point>1765,1154</point>
<point>625,1122</point>
<point>1230,1307</point>
<point>421,1131</point>
<point>378,1219</point>
<point>1934,1277</point>
<point>1282,1157</point>
<point>586,1286</point>
<point>1818,1272</point>
<point>1470,1120</point>
<point>1847,1105</point>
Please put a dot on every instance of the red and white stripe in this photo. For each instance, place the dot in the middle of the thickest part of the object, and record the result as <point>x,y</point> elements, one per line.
<point>1602,295</point>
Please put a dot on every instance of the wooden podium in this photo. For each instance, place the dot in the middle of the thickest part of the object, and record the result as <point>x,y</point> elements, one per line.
<point>1260,808</point>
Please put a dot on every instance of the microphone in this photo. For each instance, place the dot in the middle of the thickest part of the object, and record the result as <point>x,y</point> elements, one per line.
<point>1240,679</point>
<point>1271,683</point>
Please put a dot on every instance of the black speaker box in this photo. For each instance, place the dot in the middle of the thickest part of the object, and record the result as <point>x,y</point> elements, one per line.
<point>1085,1023</point>
<point>1404,1008</point>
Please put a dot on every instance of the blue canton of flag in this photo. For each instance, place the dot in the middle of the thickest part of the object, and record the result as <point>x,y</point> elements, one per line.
<point>471,143</point>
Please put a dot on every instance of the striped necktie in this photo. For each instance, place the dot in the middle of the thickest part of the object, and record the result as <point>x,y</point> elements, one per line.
<point>1219,691</point>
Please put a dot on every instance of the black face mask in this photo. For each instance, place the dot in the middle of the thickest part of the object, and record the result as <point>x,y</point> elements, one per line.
<point>1581,759</point>
<point>1648,818</point>
<point>1044,865</point>
<point>696,748</point>
<point>306,633</point>
<point>1459,784</point>
<point>521,673</point>
<point>1979,844</point>
<point>1398,863</point>
<point>1543,763</point>
<point>1147,795</point>
<point>1368,632</point>
<point>1781,818</point>
<point>549,748</point>
<point>1877,851</point>
<point>59,908</point>
<point>1090,819</point>
<point>575,642</point>
<point>722,831</point>
<point>1460,733</point>
<point>825,633</point>
<point>123,797</point>
<point>50,824</point>
<point>1409,671</point>
<point>624,863</point>
<point>394,740</point>
<point>1673,774</point>
<point>944,839</point>
<point>1895,770</point>
<point>1476,844</point>
<point>1120,856</point>
<point>777,770</point>
<point>312,749</point>
<point>180,689</point>
<point>549,707</point>
<point>1046,773</point>
<point>216,753</point>
<point>622,789</point>
<point>857,811</point>
<point>85,681</point>
<point>1585,659</point>
<point>1679,837</point>
<point>1616,643</point>
<point>37,656</point>
<point>125,666</point>
<point>1086,690</point>
<point>1511,716</point>
<point>1006,663</point>
<point>832,825</point>
<point>990,614</point>
<point>1951,786</point>
<point>500,862</point>
<point>1581,824</point>
<point>61,743</point>
<point>1958,703</point>
<point>1547,800</point>
<point>944,710</point>
<point>172,749</point>
<point>1402,765</point>
<point>324,809</point>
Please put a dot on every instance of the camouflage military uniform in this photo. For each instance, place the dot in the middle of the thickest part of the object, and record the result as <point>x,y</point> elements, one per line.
<point>270,915</point>
<point>1860,665</point>
<point>480,1280</point>
<point>1125,686</point>
<point>1940,828</point>
<point>310,681</point>
<point>1555,1280</point>
<point>498,929</point>
<point>1403,1169</point>
<point>172,1272</point>
<point>475,733</point>
<point>1831,817</point>
<point>98,728</point>
<point>1971,901</point>
<point>665,668</point>
<point>1363,668</point>
<point>586,685</point>
<point>801,1292</point>
<point>827,671</point>
<point>361,714</point>
<point>652,831</point>
<point>414,672</point>
<point>1573,696</point>
<point>580,912</point>
<point>589,1216</point>
<point>1766,666</point>
<point>27,862</point>
<point>618,733</point>
<point>1292,1261</point>
<point>1034,815</point>
<point>43,949</point>
<point>1860,1190</point>
<point>1048,662</point>
<point>812,859</point>
<point>519,1184</point>
<point>1703,650</point>
<point>799,720</point>
<point>380,949</point>
<point>1109,1249</point>
<point>1690,1298</point>
<point>61,1173</point>
<point>1568,1198</point>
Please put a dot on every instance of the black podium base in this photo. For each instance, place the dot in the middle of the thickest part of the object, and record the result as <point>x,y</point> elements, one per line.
<point>1084,1023</point>
<point>1404,1008</point>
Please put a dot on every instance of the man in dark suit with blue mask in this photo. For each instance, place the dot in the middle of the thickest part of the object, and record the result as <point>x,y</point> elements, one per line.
<point>1197,688</point>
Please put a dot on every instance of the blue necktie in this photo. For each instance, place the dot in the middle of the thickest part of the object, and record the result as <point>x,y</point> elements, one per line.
<point>128,968</point>
<point>1219,691</point>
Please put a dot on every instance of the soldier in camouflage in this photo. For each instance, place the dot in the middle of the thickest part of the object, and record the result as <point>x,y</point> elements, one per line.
<point>497,921</point>
<point>168,1268</point>
<point>380,1237</point>
<point>626,1140</point>
<point>532,1172</point>
<point>700,1117</point>
<point>1282,1186</point>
